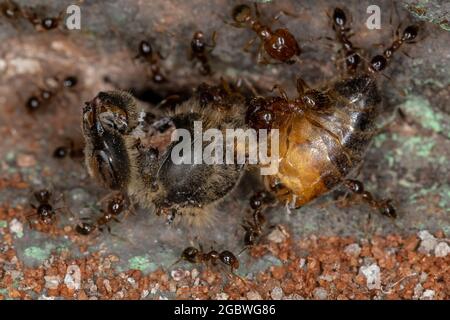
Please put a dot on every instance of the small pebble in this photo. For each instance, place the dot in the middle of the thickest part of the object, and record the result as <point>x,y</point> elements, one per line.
<point>277,235</point>
<point>428,242</point>
<point>277,293</point>
<point>353,249</point>
<point>253,295</point>
<point>51,282</point>
<point>177,274</point>
<point>73,277</point>
<point>320,293</point>
<point>373,276</point>
<point>441,250</point>
<point>428,295</point>
<point>222,296</point>
<point>16,227</point>
<point>26,160</point>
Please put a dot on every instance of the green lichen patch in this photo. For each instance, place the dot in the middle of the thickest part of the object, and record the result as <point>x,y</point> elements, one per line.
<point>141,263</point>
<point>38,253</point>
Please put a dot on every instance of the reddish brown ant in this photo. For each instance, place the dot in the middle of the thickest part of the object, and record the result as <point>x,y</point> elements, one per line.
<point>194,255</point>
<point>43,24</point>
<point>37,101</point>
<point>68,150</point>
<point>45,212</point>
<point>115,205</point>
<point>152,57</point>
<point>10,9</point>
<point>253,227</point>
<point>351,57</point>
<point>280,45</point>
<point>380,62</point>
<point>200,51</point>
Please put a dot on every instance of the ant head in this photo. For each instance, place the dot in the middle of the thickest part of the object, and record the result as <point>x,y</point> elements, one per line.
<point>410,33</point>
<point>145,48</point>
<point>190,254</point>
<point>241,13</point>
<point>198,35</point>
<point>49,23</point>
<point>339,18</point>
<point>33,103</point>
<point>378,63</point>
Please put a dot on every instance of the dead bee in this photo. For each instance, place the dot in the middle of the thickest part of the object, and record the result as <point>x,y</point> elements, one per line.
<point>44,210</point>
<point>200,51</point>
<point>279,45</point>
<point>119,160</point>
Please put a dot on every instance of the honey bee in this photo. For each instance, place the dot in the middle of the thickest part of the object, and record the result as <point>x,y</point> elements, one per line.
<point>120,158</point>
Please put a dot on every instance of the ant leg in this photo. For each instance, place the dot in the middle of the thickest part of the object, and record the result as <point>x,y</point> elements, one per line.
<point>280,91</point>
<point>247,46</point>
<point>384,206</point>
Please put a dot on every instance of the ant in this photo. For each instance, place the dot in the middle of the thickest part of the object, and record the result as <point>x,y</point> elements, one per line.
<point>380,62</point>
<point>63,151</point>
<point>253,227</point>
<point>44,210</point>
<point>200,50</point>
<point>43,24</point>
<point>113,208</point>
<point>194,255</point>
<point>36,102</point>
<point>352,59</point>
<point>153,58</point>
<point>10,9</point>
<point>280,44</point>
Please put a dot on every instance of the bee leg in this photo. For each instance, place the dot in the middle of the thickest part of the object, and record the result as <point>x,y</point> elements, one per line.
<point>384,206</point>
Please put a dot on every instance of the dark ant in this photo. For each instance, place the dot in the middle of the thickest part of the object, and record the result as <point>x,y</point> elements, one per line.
<point>68,150</point>
<point>200,51</point>
<point>113,208</point>
<point>10,9</point>
<point>44,210</point>
<point>380,62</point>
<point>280,44</point>
<point>385,207</point>
<point>36,102</point>
<point>352,59</point>
<point>43,24</point>
<point>194,255</point>
<point>153,58</point>
<point>253,227</point>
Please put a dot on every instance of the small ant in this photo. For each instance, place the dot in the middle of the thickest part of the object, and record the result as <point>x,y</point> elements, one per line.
<point>113,208</point>
<point>44,210</point>
<point>200,51</point>
<point>194,255</point>
<point>43,24</point>
<point>36,102</point>
<point>253,227</point>
<point>352,59</point>
<point>10,9</point>
<point>63,151</point>
<point>380,62</point>
<point>385,207</point>
<point>153,58</point>
<point>280,44</point>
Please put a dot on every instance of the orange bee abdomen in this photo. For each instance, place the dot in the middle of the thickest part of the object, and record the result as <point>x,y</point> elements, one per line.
<point>319,148</point>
